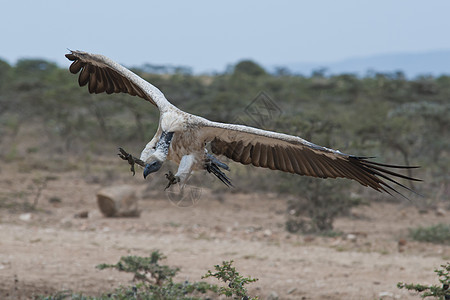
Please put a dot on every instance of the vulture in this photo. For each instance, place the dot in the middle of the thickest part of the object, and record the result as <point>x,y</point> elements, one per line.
<point>185,138</point>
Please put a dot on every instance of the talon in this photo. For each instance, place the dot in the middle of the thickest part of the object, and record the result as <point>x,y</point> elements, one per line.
<point>130,159</point>
<point>172,179</point>
<point>123,154</point>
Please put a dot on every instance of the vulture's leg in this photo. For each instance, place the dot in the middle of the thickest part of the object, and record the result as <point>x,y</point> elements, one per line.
<point>184,171</point>
<point>131,159</point>
<point>213,165</point>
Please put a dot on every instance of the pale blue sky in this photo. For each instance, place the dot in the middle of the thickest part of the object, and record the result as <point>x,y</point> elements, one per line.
<point>208,35</point>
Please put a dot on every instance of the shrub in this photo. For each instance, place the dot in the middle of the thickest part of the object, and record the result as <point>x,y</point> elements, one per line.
<point>437,291</point>
<point>145,269</point>
<point>155,282</point>
<point>236,283</point>
<point>438,234</point>
<point>323,201</point>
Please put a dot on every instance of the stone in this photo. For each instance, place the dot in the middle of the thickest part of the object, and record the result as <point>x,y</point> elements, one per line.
<point>273,296</point>
<point>118,201</point>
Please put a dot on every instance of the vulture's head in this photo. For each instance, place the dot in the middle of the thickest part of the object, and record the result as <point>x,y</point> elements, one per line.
<point>152,167</point>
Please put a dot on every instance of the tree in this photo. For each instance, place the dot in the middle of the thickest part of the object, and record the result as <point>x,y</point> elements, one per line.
<point>249,67</point>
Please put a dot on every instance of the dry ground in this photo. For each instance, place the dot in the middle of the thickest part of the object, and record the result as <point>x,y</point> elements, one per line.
<point>49,249</point>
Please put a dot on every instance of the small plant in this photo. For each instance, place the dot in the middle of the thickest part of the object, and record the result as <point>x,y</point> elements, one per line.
<point>321,203</point>
<point>145,269</point>
<point>236,283</point>
<point>41,184</point>
<point>441,291</point>
<point>438,234</point>
<point>155,282</point>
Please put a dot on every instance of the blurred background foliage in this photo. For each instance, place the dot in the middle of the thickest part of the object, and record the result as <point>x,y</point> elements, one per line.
<point>397,120</point>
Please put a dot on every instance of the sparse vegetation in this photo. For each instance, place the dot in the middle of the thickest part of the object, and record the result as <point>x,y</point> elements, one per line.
<point>45,118</point>
<point>438,234</point>
<point>145,269</point>
<point>155,282</point>
<point>236,282</point>
<point>20,201</point>
<point>41,184</point>
<point>322,203</point>
<point>441,291</point>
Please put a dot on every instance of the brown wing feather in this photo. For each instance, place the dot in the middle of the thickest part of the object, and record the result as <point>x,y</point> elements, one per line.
<point>102,78</point>
<point>292,154</point>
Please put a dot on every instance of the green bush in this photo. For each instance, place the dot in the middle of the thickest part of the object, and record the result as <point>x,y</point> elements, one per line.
<point>438,234</point>
<point>441,291</point>
<point>155,282</point>
<point>145,269</point>
<point>236,283</point>
<point>321,202</point>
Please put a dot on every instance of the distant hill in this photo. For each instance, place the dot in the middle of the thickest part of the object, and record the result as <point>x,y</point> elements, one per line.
<point>412,64</point>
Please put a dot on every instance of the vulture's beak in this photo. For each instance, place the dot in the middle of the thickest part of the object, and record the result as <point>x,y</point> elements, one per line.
<point>152,167</point>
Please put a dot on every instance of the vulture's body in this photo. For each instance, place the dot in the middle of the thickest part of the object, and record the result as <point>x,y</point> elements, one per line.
<point>183,137</point>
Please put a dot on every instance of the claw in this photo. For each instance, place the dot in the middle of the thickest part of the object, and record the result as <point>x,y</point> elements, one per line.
<point>130,159</point>
<point>172,179</point>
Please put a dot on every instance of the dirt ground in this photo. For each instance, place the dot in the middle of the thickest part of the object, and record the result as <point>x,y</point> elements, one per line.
<point>49,249</point>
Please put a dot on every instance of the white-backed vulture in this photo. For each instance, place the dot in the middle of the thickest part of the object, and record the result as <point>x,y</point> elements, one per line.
<point>183,137</point>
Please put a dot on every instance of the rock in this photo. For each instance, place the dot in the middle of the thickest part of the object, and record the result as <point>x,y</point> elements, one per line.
<point>402,242</point>
<point>25,217</point>
<point>81,215</point>
<point>351,237</point>
<point>336,242</point>
<point>118,201</point>
<point>440,212</point>
<point>388,295</point>
<point>290,291</point>
<point>385,294</point>
<point>272,296</point>
<point>54,200</point>
<point>309,238</point>
<point>401,245</point>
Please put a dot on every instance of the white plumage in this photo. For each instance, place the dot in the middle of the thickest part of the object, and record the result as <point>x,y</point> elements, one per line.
<point>183,137</point>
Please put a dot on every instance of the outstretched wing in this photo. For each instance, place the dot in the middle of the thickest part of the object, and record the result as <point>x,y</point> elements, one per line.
<point>104,75</point>
<point>293,154</point>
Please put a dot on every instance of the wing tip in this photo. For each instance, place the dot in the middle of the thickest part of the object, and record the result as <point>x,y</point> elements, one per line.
<point>380,170</point>
<point>70,56</point>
